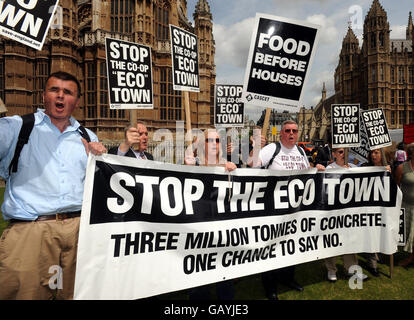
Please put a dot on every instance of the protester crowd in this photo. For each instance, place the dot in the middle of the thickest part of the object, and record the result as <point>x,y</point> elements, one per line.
<point>44,188</point>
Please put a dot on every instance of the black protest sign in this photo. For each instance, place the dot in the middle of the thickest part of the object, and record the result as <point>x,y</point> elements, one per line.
<point>345,125</point>
<point>280,57</point>
<point>27,21</point>
<point>229,109</point>
<point>184,53</point>
<point>361,153</point>
<point>129,75</point>
<point>376,128</point>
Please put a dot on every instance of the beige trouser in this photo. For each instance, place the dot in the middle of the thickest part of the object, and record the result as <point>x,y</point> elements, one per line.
<point>349,260</point>
<point>38,259</point>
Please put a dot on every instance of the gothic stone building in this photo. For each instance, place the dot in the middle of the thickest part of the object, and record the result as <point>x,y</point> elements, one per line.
<point>78,47</point>
<point>380,74</point>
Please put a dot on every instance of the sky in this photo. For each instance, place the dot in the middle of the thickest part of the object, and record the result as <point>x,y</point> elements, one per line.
<point>233,26</point>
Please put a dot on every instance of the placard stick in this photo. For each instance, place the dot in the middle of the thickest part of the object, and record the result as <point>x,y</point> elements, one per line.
<point>384,163</point>
<point>346,156</point>
<point>187,112</point>
<point>266,121</point>
<point>133,116</point>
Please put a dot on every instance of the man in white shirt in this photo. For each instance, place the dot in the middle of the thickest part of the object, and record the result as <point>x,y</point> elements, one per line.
<point>288,157</point>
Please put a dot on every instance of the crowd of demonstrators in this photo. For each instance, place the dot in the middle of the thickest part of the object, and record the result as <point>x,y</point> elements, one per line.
<point>210,153</point>
<point>43,195</point>
<point>404,177</point>
<point>349,259</point>
<point>135,143</point>
<point>44,222</point>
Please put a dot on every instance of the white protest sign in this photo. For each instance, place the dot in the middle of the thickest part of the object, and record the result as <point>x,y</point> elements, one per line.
<point>129,72</point>
<point>345,125</point>
<point>280,56</point>
<point>27,21</point>
<point>229,109</point>
<point>184,54</point>
<point>376,128</point>
<point>149,228</point>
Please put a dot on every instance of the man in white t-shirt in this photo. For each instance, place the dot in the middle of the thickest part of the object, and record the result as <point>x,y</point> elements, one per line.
<point>289,157</point>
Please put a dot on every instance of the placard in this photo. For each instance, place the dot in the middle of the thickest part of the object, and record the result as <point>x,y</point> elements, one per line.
<point>345,125</point>
<point>184,53</point>
<point>280,56</point>
<point>27,22</point>
<point>376,128</point>
<point>229,108</point>
<point>408,133</point>
<point>129,75</point>
<point>361,153</point>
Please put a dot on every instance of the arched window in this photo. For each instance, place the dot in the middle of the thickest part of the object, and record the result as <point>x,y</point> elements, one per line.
<point>161,22</point>
<point>373,40</point>
<point>122,15</point>
<point>381,39</point>
<point>170,100</point>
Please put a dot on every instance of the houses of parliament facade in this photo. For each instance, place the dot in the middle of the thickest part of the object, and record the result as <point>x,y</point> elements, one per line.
<point>378,74</point>
<point>77,46</point>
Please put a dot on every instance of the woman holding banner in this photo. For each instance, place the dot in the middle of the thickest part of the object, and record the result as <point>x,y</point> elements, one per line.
<point>210,153</point>
<point>375,158</point>
<point>404,177</point>
<point>349,259</point>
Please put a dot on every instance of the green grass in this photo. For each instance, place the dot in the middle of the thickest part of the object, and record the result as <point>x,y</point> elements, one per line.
<point>312,276</point>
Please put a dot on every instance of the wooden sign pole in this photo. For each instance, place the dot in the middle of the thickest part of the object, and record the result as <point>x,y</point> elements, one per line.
<point>266,121</point>
<point>133,117</point>
<point>187,112</point>
<point>384,163</point>
<point>346,156</point>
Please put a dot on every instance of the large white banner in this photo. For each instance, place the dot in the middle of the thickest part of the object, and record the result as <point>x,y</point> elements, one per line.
<point>149,228</point>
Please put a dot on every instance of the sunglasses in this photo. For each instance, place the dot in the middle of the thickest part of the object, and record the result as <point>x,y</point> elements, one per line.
<point>291,130</point>
<point>212,140</point>
<point>340,151</point>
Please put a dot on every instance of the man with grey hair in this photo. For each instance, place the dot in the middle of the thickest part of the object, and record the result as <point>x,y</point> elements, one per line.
<point>283,155</point>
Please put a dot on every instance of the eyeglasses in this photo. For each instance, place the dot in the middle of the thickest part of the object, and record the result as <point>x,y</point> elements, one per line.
<point>340,151</point>
<point>212,140</point>
<point>291,130</point>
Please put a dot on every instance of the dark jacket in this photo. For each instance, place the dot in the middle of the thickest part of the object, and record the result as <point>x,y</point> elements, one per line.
<point>323,156</point>
<point>130,153</point>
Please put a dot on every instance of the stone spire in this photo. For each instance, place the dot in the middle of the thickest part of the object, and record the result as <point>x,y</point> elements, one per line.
<point>376,9</point>
<point>410,27</point>
<point>202,9</point>
<point>324,92</point>
<point>350,36</point>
